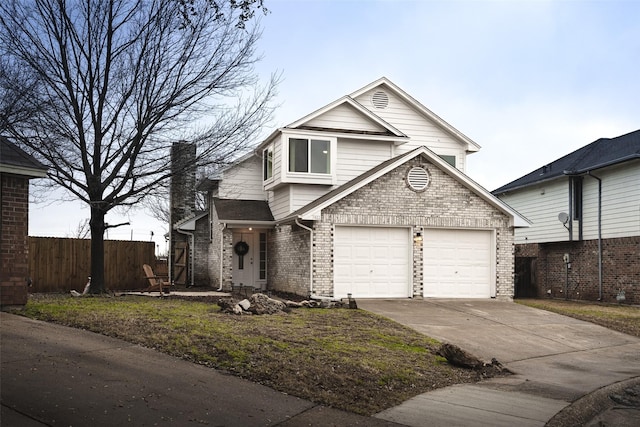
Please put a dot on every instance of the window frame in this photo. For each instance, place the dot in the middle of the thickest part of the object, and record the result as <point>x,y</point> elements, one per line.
<point>267,163</point>
<point>309,177</point>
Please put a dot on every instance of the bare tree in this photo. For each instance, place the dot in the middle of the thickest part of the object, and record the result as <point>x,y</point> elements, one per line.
<point>102,88</point>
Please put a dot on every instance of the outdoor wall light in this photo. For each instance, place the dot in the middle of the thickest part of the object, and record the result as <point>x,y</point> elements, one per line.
<point>418,237</point>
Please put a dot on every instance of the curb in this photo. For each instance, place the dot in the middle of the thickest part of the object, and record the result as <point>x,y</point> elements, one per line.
<point>593,404</point>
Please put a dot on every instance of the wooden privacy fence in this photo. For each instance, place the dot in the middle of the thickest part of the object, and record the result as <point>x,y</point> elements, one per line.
<point>60,264</point>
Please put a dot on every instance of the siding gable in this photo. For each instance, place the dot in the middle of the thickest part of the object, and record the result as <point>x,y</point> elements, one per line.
<point>344,117</point>
<point>243,181</point>
<point>420,129</point>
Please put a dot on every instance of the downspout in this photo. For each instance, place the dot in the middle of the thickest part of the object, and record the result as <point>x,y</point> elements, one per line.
<point>224,225</point>
<point>310,230</point>
<point>599,234</point>
<point>192,250</point>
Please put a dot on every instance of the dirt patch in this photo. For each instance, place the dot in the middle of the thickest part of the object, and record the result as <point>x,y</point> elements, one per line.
<point>344,358</point>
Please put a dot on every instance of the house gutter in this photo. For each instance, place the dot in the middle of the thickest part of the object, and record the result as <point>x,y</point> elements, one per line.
<point>599,234</point>
<point>588,172</point>
<point>310,230</point>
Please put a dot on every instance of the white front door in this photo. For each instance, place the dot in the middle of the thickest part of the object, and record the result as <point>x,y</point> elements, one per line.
<point>244,268</point>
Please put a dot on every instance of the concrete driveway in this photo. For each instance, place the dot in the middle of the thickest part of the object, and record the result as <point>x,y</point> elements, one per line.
<point>556,359</point>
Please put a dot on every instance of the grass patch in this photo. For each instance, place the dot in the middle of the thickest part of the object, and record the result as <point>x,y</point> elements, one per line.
<point>347,359</point>
<point>621,318</point>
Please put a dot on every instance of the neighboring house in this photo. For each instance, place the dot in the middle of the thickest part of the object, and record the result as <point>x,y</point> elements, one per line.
<point>16,169</point>
<point>584,242</point>
<point>366,196</point>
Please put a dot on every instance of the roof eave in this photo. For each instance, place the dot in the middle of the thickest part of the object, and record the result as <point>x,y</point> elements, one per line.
<point>24,171</point>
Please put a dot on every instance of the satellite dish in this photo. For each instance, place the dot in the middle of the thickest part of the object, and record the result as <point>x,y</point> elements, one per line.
<point>563,217</point>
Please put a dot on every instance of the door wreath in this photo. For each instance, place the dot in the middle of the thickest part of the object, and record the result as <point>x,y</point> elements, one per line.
<point>241,248</point>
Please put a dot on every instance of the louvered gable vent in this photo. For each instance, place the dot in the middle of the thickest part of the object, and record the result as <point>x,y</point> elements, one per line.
<point>418,178</point>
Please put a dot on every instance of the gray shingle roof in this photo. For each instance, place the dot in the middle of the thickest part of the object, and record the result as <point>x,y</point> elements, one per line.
<point>11,154</point>
<point>242,210</point>
<point>600,153</point>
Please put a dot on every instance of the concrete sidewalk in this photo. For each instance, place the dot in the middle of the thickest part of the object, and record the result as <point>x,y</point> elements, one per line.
<point>54,375</point>
<point>557,360</point>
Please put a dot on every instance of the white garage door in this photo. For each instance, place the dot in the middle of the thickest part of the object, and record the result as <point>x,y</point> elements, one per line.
<point>371,262</point>
<point>458,263</point>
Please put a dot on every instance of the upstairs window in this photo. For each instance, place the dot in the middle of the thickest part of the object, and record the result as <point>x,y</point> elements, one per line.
<point>449,159</point>
<point>576,196</point>
<point>309,155</point>
<point>267,163</point>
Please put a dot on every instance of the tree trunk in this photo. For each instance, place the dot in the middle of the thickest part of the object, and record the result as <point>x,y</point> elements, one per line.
<point>97,251</point>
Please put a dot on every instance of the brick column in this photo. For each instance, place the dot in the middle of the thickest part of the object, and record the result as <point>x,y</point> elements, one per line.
<point>14,240</point>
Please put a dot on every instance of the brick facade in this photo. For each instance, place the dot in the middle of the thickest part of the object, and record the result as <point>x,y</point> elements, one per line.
<point>620,269</point>
<point>388,201</point>
<point>200,252</point>
<point>288,259</point>
<point>14,247</point>
<point>220,256</point>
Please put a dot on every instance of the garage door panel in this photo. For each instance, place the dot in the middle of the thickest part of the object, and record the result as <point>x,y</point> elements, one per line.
<point>457,263</point>
<point>377,264</point>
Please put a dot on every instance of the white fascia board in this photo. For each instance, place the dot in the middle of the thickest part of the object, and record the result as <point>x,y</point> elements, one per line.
<point>517,220</point>
<point>471,145</point>
<point>314,214</point>
<point>243,223</point>
<point>21,170</point>
<point>359,107</point>
<point>267,141</point>
<point>329,133</point>
<point>189,224</point>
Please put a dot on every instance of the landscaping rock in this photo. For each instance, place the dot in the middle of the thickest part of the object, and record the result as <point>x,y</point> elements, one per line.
<point>458,357</point>
<point>262,304</point>
<point>245,304</point>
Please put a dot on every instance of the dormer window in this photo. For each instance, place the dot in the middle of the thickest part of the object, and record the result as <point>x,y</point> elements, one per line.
<point>308,155</point>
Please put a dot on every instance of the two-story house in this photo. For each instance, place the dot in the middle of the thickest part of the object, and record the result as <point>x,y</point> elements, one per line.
<point>584,241</point>
<point>366,196</point>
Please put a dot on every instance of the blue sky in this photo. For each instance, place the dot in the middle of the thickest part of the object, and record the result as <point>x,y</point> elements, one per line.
<point>530,81</point>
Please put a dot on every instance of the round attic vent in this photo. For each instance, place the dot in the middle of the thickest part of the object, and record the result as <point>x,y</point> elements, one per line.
<point>380,99</point>
<point>418,178</point>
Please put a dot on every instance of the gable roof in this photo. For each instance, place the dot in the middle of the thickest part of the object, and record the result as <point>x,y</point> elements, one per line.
<point>313,210</point>
<point>230,210</point>
<point>390,129</point>
<point>599,154</point>
<point>471,145</point>
<point>16,161</point>
<point>392,132</point>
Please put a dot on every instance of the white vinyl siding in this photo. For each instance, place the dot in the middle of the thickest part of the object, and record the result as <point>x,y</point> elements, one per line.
<point>541,205</point>
<point>459,263</point>
<point>345,117</point>
<point>279,202</point>
<point>301,195</point>
<point>243,181</point>
<point>372,262</point>
<point>620,202</point>
<point>420,130</point>
<point>355,157</point>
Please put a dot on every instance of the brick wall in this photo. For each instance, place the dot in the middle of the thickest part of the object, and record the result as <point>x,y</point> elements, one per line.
<point>388,201</point>
<point>620,269</point>
<point>220,254</point>
<point>288,263</point>
<point>201,253</point>
<point>14,246</point>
